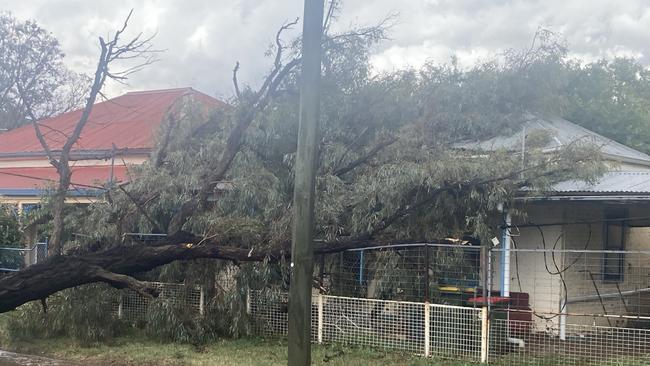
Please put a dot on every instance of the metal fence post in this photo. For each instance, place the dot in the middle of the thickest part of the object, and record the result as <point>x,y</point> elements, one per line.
<point>320,318</point>
<point>485,334</point>
<point>201,301</point>
<point>248,301</point>
<point>120,307</point>
<point>427,329</point>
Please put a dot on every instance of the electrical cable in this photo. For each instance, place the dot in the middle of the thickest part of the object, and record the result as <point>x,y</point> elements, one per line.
<point>558,272</point>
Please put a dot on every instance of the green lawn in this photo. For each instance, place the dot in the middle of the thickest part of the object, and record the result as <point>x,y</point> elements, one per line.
<point>135,351</point>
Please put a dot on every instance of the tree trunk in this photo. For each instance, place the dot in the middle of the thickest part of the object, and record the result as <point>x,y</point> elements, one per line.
<point>58,207</point>
<point>61,272</point>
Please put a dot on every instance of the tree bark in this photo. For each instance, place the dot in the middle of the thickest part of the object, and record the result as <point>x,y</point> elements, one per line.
<point>55,246</point>
<point>115,265</point>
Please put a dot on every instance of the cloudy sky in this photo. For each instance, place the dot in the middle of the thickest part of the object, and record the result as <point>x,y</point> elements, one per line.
<point>204,38</point>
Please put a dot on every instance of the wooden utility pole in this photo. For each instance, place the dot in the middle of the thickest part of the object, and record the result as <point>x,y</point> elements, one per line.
<point>304,195</point>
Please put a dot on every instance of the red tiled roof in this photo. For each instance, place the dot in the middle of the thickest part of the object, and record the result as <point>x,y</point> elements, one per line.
<point>39,178</point>
<point>128,121</point>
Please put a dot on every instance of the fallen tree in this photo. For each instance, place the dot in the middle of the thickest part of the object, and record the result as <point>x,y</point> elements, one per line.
<point>388,171</point>
<point>116,266</point>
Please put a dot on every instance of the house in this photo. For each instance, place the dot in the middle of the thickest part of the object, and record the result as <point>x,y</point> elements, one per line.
<point>119,133</point>
<point>582,254</point>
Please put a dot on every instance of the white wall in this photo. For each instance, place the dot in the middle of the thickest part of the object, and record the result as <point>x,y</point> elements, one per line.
<point>582,272</point>
<point>528,272</point>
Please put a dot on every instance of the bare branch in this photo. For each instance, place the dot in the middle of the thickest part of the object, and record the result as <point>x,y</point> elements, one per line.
<point>277,63</point>
<point>111,50</point>
<point>331,14</point>
<point>142,209</point>
<point>234,80</point>
<point>37,129</point>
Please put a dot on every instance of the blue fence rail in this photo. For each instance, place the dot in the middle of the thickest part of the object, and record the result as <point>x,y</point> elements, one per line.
<point>14,259</point>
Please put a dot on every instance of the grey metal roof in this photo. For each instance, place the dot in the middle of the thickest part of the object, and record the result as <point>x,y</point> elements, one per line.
<point>562,133</point>
<point>612,182</point>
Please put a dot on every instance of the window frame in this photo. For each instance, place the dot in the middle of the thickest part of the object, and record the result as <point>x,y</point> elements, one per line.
<point>614,217</point>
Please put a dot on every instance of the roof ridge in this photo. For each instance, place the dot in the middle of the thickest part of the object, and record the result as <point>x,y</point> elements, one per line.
<point>592,133</point>
<point>157,91</point>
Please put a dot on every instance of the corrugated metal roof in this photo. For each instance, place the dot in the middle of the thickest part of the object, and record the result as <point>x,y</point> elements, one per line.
<point>562,133</point>
<point>612,182</point>
<point>128,121</point>
<point>42,177</point>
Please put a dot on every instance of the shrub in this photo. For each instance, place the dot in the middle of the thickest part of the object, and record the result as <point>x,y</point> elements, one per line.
<point>85,314</point>
<point>170,321</point>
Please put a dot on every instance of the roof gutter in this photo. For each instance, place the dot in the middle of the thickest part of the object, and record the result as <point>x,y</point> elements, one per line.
<point>80,154</point>
<point>619,197</point>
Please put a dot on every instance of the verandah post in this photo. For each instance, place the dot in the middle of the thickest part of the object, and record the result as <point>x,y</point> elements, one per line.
<point>486,274</point>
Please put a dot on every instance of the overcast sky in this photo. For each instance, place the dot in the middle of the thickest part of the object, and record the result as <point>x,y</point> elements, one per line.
<point>204,38</point>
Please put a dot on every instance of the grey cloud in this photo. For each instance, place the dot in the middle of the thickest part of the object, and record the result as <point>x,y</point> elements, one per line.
<point>204,38</point>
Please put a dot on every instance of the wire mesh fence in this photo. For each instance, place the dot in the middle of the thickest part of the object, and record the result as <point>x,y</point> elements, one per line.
<point>504,307</point>
<point>132,306</point>
<point>15,258</point>
<point>446,331</point>
<point>584,345</point>
<point>571,306</point>
<point>514,307</point>
<point>439,273</point>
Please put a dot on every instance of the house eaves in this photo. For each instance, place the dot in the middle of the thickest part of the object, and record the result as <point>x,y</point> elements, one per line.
<point>612,186</point>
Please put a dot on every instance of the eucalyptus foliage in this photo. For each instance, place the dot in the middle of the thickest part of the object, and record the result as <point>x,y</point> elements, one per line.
<point>400,127</point>
<point>86,314</point>
<point>389,168</point>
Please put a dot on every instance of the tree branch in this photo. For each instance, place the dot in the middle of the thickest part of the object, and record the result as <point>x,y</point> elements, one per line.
<point>363,159</point>
<point>142,210</point>
<point>235,82</point>
<point>121,281</point>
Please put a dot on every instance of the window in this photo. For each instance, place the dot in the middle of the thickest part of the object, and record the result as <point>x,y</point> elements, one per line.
<point>613,263</point>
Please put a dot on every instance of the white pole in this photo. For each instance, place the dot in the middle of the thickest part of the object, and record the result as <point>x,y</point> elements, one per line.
<point>248,301</point>
<point>320,318</point>
<point>201,301</point>
<point>505,259</point>
<point>563,319</point>
<point>485,326</point>
<point>120,308</point>
<point>427,329</point>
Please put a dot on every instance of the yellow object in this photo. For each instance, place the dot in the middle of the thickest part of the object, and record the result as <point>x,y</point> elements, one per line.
<point>449,288</point>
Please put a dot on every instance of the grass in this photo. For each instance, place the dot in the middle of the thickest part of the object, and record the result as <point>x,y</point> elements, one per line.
<point>128,351</point>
